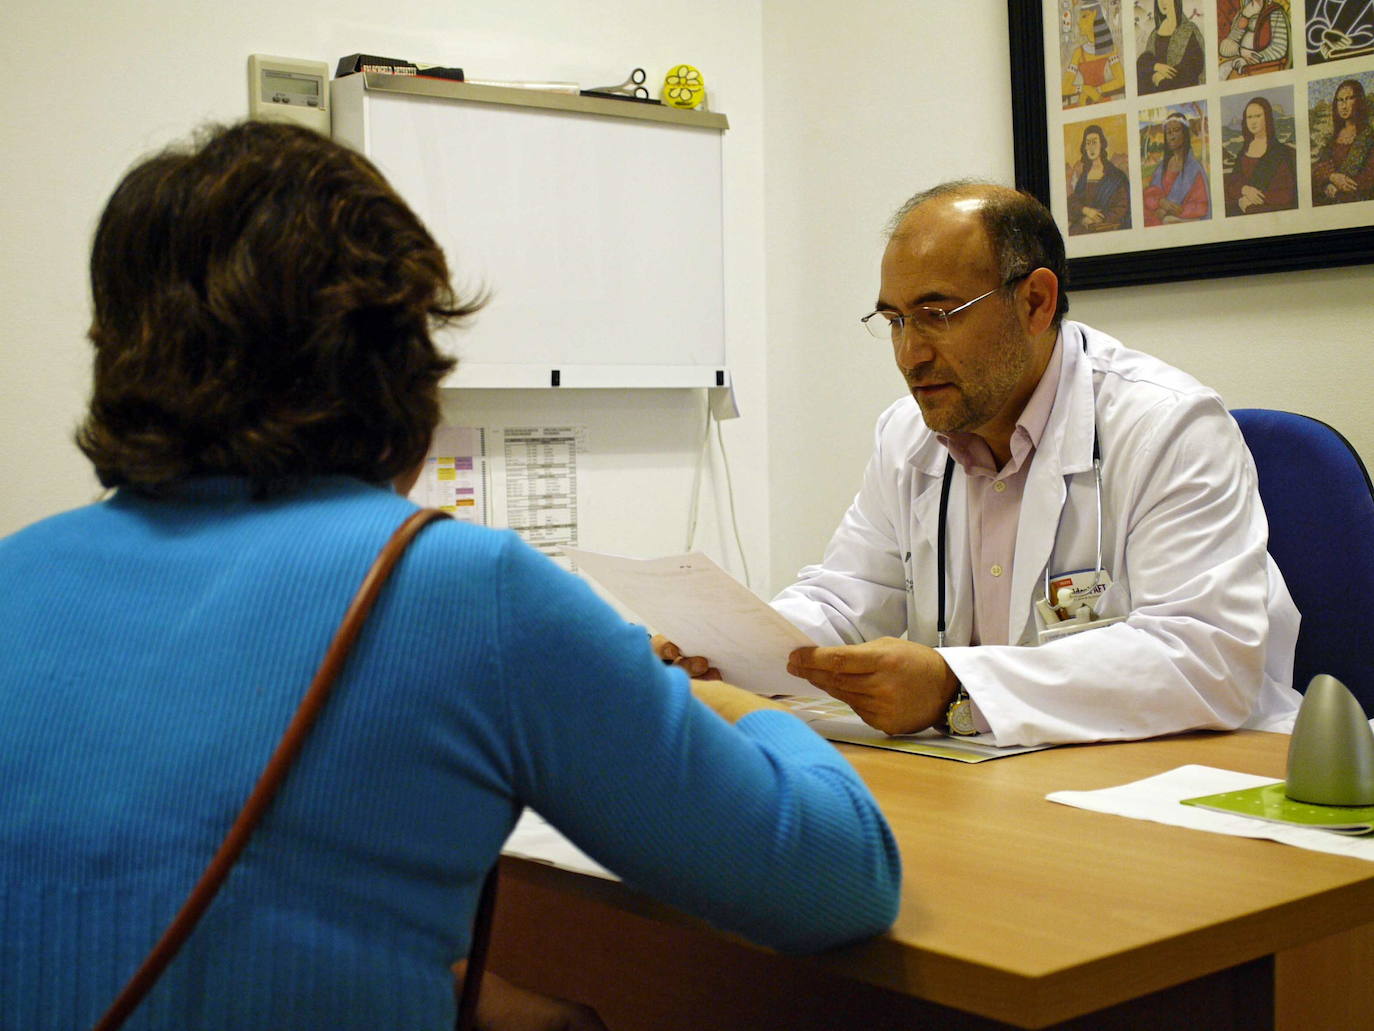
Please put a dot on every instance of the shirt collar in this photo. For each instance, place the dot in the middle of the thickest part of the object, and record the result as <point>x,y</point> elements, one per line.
<point>972,452</point>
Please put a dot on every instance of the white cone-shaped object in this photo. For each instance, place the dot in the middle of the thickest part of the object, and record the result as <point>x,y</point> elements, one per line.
<point>1331,752</point>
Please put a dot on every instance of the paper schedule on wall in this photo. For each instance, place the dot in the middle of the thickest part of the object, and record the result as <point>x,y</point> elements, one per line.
<point>454,477</point>
<point>540,467</point>
<point>521,477</point>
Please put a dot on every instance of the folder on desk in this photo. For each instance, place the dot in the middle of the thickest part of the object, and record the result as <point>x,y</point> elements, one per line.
<point>1268,802</point>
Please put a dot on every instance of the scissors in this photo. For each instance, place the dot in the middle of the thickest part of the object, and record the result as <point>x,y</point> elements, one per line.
<point>631,87</point>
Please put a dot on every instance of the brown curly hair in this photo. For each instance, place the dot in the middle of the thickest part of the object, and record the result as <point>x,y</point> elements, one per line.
<point>263,304</point>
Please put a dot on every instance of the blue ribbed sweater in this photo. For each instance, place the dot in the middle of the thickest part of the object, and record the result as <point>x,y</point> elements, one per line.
<point>151,653</point>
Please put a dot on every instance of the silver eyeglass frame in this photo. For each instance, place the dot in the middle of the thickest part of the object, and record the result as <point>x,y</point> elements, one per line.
<point>894,324</point>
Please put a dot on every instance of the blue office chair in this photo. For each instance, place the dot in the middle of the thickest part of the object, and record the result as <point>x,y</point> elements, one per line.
<point>1320,503</point>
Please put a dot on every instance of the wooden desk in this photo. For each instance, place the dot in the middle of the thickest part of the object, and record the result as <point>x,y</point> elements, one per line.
<point>1016,912</point>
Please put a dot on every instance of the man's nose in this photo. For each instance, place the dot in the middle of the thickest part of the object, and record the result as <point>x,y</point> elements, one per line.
<point>911,348</point>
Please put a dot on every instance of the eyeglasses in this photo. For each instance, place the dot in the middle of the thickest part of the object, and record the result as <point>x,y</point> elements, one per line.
<point>927,321</point>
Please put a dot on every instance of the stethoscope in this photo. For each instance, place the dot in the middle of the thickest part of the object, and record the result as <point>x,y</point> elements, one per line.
<point>941,549</point>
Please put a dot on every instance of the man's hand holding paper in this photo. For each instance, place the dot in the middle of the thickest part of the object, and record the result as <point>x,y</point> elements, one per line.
<point>897,686</point>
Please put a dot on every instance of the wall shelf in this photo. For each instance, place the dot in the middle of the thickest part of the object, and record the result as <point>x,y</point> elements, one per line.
<point>419,86</point>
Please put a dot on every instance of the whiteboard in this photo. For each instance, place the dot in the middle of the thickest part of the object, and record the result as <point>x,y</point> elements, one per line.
<point>599,238</point>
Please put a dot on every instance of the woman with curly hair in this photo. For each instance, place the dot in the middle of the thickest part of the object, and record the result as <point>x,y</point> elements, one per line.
<point>266,384</point>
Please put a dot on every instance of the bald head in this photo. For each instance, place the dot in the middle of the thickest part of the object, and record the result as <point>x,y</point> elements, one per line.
<point>975,192</point>
<point>972,318</point>
<point>1020,232</point>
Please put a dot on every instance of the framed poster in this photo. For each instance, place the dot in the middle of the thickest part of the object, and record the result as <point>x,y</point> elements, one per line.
<point>1184,139</point>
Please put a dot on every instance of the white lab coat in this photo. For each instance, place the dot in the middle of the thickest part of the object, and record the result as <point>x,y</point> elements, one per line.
<point>1210,628</point>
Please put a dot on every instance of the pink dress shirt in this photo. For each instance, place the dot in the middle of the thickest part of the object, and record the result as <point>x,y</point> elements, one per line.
<point>994,507</point>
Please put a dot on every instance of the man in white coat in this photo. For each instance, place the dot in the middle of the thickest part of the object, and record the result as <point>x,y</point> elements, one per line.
<point>1189,624</point>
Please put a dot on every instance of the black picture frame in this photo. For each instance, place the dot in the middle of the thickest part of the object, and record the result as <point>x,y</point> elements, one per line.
<point>1328,248</point>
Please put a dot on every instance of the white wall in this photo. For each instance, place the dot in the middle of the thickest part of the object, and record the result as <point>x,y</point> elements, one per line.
<point>92,87</point>
<point>910,94</point>
<point>871,100</point>
<point>865,102</point>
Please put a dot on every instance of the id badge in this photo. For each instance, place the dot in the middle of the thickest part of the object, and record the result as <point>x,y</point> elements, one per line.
<point>1074,594</point>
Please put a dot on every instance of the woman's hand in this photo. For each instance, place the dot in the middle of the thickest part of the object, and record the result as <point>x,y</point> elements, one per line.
<point>731,703</point>
<point>698,667</point>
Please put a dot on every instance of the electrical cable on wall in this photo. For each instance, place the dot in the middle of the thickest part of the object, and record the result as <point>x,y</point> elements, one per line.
<point>730,497</point>
<point>695,507</point>
<point>695,504</point>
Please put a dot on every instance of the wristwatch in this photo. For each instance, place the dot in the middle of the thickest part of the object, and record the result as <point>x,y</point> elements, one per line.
<point>959,715</point>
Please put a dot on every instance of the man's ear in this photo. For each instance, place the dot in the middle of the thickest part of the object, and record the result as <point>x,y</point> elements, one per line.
<point>1042,300</point>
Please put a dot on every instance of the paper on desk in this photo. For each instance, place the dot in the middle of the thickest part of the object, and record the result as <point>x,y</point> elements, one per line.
<point>833,720</point>
<point>705,611</point>
<point>533,837</point>
<point>1160,798</point>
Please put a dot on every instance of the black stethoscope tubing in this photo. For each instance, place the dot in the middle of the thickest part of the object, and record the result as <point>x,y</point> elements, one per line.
<point>944,516</point>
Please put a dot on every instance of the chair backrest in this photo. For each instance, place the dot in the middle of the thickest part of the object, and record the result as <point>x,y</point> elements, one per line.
<point>1320,503</point>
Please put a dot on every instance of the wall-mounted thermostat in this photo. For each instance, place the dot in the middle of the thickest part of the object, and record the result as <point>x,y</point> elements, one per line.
<point>285,89</point>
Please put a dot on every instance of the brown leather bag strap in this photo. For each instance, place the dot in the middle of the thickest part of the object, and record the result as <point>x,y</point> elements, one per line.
<point>272,775</point>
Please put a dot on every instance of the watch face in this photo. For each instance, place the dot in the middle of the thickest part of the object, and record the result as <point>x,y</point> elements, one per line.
<point>961,718</point>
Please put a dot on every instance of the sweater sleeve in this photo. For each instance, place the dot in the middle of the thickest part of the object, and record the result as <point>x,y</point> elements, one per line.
<point>760,827</point>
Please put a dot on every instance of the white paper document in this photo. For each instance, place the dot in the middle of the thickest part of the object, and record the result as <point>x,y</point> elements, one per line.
<point>1159,798</point>
<point>540,468</point>
<point>705,611</point>
<point>833,720</point>
<point>533,837</point>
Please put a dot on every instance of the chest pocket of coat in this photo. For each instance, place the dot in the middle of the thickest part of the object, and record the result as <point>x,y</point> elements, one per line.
<point>1116,600</point>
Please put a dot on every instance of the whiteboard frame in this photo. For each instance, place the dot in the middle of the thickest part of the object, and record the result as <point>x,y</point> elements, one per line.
<point>411,126</point>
